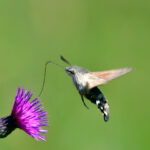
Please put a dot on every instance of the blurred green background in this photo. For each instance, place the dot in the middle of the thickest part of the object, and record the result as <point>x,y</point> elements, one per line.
<point>97,35</point>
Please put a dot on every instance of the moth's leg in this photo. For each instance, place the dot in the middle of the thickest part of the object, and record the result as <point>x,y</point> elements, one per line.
<point>84,102</point>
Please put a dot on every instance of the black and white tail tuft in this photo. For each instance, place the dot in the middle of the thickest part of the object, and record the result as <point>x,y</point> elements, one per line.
<point>104,107</point>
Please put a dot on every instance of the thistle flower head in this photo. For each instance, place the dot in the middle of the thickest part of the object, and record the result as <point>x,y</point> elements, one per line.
<point>28,116</point>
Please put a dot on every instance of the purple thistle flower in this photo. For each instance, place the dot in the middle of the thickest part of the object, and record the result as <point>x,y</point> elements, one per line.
<point>28,116</point>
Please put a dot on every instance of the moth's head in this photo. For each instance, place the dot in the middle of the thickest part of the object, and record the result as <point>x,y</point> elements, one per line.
<point>73,70</point>
<point>70,71</point>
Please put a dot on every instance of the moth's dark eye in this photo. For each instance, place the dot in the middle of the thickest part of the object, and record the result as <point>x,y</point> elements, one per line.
<point>71,71</point>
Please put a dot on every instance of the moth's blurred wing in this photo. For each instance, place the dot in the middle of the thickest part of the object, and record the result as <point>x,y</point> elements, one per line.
<point>93,81</point>
<point>99,78</point>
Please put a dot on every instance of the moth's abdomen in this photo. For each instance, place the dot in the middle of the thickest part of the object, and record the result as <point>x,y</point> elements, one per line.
<point>97,97</point>
<point>104,107</point>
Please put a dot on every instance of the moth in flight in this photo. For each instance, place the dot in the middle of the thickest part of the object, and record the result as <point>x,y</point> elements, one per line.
<point>87,83</point>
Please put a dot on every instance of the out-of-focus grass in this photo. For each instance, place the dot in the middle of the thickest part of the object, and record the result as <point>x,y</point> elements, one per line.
<point>98,35</point>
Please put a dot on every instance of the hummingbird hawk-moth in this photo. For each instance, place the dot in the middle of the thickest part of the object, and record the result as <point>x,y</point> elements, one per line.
<point>87,84</point>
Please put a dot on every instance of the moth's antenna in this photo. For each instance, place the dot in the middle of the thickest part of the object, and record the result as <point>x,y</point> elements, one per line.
<point>45,70</point>
<point>66,61</point>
